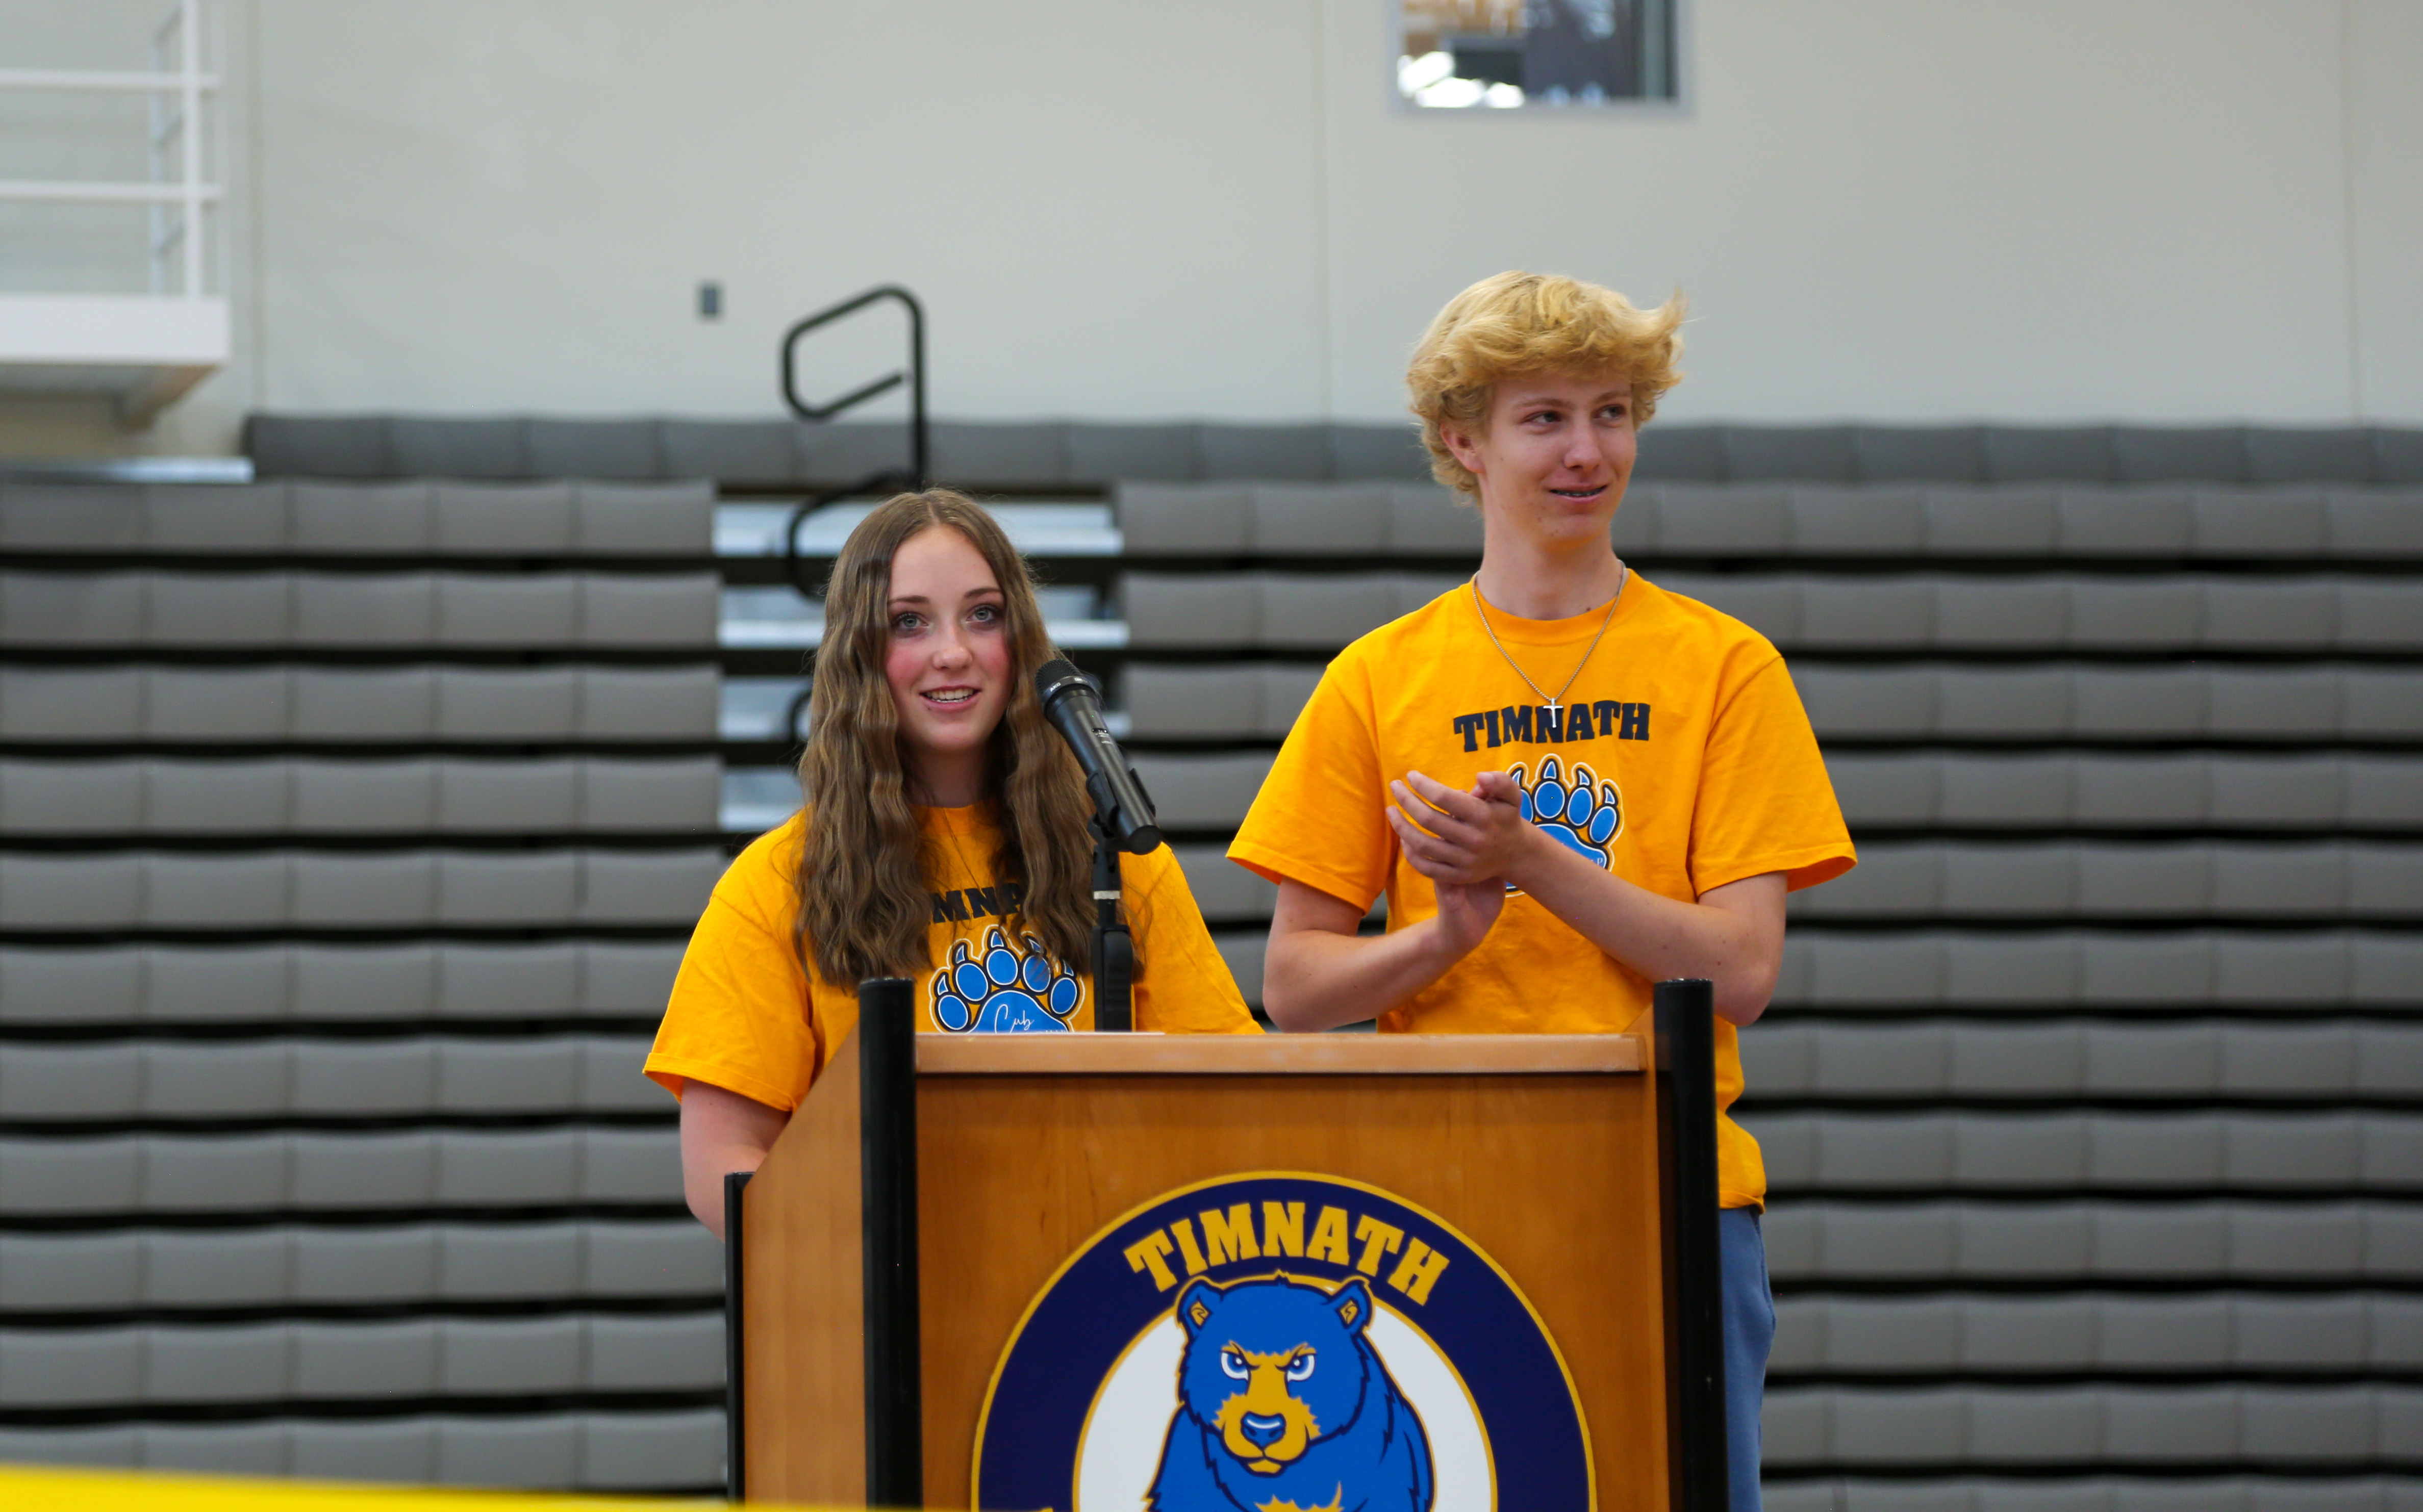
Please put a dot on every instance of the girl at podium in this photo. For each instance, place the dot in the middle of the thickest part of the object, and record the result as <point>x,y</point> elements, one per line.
<point>1570,782</point>
<point>943,839</point>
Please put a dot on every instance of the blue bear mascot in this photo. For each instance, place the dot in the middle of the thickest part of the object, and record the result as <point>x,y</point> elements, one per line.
<point>1283,1405</point>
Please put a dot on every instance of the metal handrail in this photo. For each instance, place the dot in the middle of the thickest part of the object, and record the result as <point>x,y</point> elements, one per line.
<point>914,374</point>
<point>797,706</point>
<point>890,478</point>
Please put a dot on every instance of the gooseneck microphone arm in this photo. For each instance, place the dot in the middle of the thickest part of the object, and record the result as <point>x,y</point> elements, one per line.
<point>1123,821</point>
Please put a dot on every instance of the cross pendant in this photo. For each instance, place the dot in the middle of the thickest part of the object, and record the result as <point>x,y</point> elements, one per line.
<point>1555,713</point>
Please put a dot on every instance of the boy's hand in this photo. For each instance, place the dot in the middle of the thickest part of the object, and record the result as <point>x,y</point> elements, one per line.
<point>1466,914</point>
<point>1462,837</point>
<point>1464,842</point>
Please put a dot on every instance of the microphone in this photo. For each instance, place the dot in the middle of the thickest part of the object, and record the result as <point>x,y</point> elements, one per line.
<point>1074,706</point>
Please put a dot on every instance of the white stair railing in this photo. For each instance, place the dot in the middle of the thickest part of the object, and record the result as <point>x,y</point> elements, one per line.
<point>177,191</point>
<point>146,348</point>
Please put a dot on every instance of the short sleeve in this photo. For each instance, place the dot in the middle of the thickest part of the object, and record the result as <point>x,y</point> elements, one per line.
<point>1319,818</point>
<point>1182,986</point>
<point>1765,802</point>
<point>739,1016</point>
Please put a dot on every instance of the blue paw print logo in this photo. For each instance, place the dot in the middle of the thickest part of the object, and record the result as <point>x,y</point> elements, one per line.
<point>1005,991</point>
<point>1583,814</point>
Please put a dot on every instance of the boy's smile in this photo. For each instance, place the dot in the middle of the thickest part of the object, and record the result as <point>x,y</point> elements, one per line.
<point>1553,455</point>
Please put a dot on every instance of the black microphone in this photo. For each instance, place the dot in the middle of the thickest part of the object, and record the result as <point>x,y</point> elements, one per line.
<point>1074,706</point>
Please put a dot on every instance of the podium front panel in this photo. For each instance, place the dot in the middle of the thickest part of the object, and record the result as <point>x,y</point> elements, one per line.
<point>1538,1153</point>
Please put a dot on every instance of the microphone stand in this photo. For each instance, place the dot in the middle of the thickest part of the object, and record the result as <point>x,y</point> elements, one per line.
<point>1123,820</point>
<point>1114,950</point>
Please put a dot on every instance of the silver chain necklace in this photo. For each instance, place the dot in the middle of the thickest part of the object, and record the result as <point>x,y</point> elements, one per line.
<point>1556,706</point>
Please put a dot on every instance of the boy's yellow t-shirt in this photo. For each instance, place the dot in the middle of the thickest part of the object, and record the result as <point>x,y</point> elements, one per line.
<point>1681,760</point>
<point>745,1015</point>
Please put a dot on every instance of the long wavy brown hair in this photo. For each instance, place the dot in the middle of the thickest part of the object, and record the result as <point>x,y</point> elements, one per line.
<point>863,903</point>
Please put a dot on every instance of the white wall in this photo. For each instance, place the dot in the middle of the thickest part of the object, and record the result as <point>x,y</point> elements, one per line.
<point>1887,209</point>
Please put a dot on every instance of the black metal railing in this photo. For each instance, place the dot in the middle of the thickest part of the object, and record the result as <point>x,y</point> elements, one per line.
<point>888,480</point>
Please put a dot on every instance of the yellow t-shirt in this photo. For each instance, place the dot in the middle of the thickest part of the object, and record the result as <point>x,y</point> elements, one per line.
<point>745,1015</point>
<point>1681,761</point>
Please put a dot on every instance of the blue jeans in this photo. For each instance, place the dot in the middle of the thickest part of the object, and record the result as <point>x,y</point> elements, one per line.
<point>1749,1333</point>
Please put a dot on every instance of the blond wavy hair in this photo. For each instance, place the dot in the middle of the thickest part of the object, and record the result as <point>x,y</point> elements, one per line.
<point>865,907</point>
<point>1518,324</point>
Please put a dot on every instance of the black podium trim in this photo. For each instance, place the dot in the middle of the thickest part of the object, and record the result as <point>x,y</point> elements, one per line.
<point>887,1071</point>
<point>736,1439</point>
<point>1687,1197</point>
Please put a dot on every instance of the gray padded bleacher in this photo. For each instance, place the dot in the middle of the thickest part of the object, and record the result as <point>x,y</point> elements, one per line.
<point>325,890</point>
<point>775,452</point>
<point>2111,879</point>
<point>2281,1427</point>
<point>1986,1152</point>
<point>258,1175</point>
<point>2017,971</point>
<point>150,796</point>
<point>1279,520</point>
<point>2168,522</point>
<point>2059,701</point>
<point>2296,521</point>
<point>1202,791</point>
<point>1914,615</point>
<point>1253,701</point>
<point>126,985</point>
<point>1226,891</point>
<point>188,1364</point>
<point>2008,454</point>
<point>227,1112</point>
<point>122,1080</point>
<point>1028,454</point>
<point>2050,881</point>
<point>2125,790</point>
<point>2171,1061</point>
<point>2125,1493</point>
<point>2029,702</point>
<point>1241,952</point>
<point>198,1270</point>
<point>332,610</point>
<point>605,1451</point>
<point>357,705</point>
<point>441,519</point>
<point>1951,1243</point>
<point>1308,612</point>
<point>1929,790</point>
<point>2062,968</point>
<point>2086,1333</point>
<point>2286,782</point>
<point>2162,1073</point>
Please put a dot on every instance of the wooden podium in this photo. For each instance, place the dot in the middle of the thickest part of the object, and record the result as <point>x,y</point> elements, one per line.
<point>899,1235</point>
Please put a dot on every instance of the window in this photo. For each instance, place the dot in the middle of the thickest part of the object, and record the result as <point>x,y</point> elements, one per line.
<point>1467,54</point>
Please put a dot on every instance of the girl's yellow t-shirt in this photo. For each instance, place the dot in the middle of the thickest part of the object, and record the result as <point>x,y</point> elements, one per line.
<point>1680,759</point>
<point>745,1014</point>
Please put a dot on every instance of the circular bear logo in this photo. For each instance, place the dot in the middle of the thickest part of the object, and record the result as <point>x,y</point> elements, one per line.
<point>1280,1343</point>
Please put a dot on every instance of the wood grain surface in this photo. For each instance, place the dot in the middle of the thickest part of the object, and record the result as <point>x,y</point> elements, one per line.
<point>804,1327</point>
<point>1269,1054</point>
